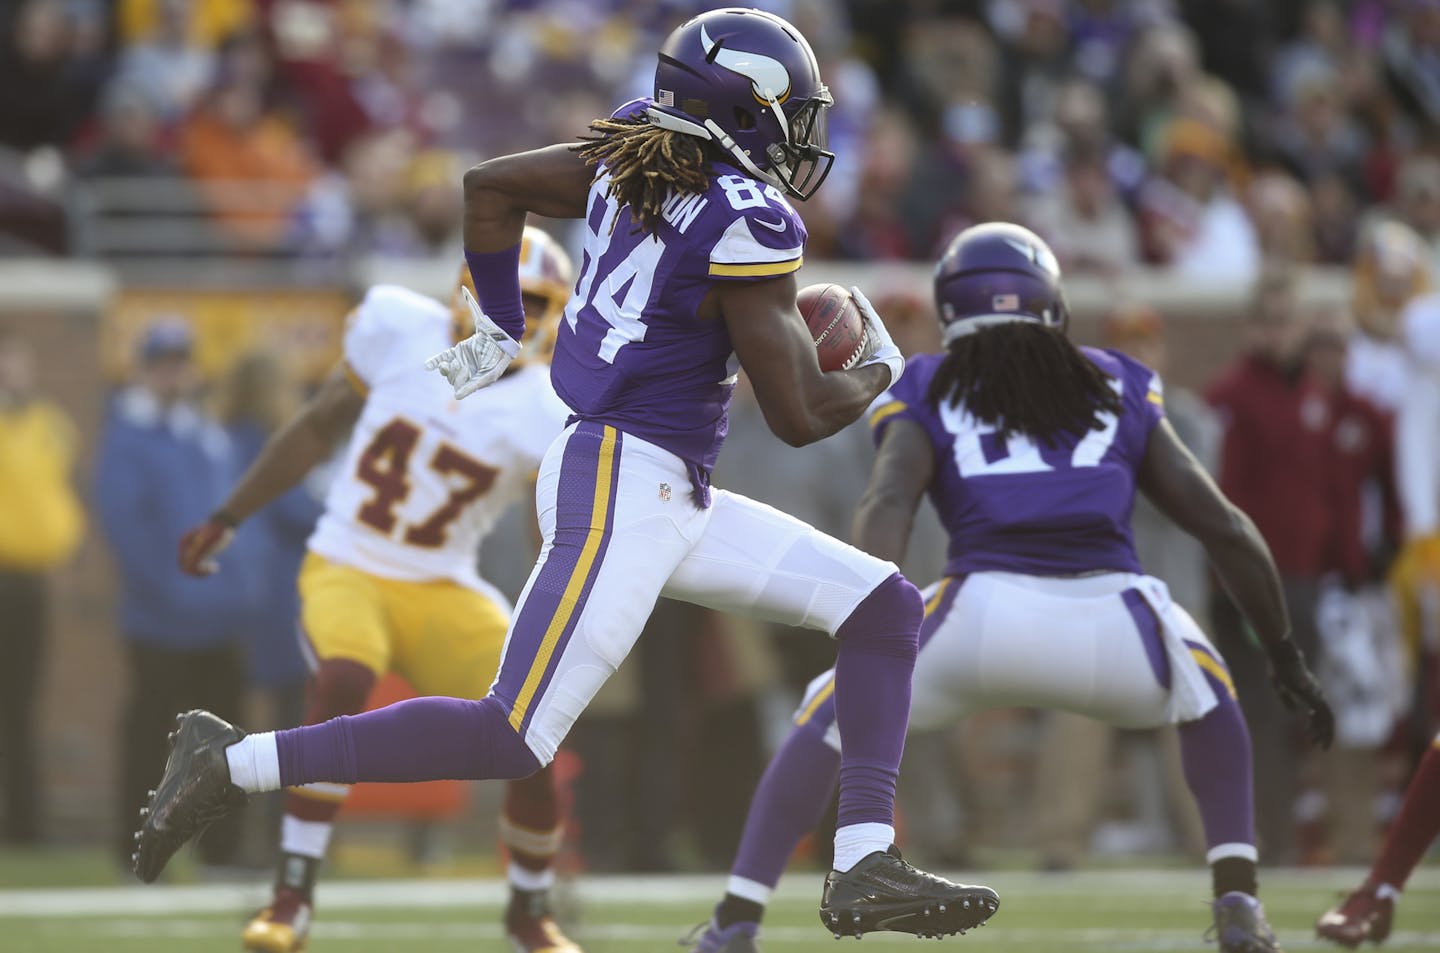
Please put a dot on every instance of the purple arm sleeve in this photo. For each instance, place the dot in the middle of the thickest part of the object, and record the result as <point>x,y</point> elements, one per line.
<point>497,287</point>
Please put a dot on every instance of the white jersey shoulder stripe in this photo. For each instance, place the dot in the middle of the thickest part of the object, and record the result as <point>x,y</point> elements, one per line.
<point>738,246</point>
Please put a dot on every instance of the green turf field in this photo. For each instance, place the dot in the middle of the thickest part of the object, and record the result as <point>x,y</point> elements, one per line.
<point>1074,913</point>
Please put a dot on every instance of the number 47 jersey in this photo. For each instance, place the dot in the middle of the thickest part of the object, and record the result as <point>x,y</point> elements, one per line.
<point>1019,505</point>
<point>425,477</point>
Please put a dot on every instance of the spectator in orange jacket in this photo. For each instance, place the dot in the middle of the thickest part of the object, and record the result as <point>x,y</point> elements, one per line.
<point>250,164</point>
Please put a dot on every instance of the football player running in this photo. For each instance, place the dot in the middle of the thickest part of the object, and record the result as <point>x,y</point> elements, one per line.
<point>1368,913</point>
<point>390,582</point>
<point>1032,450</point>
<point>691,250</point>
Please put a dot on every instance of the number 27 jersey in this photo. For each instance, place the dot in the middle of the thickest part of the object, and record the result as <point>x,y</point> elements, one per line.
<point>1018,505</point>
<point>426,477</point>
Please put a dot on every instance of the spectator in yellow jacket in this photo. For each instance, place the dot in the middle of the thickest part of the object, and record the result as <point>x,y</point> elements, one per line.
<point>40,525</point>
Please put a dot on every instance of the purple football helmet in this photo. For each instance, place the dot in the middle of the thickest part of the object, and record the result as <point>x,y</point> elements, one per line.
<point>747,81</point>
<point>997,273</point>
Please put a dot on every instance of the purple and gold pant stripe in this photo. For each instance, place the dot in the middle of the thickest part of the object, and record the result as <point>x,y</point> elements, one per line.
<point>819,709</point>
<point>1213,666</point>
<point>584,520</point>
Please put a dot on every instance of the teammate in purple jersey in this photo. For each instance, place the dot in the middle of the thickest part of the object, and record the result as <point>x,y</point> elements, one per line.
<point>1032,451</point>
<point>689,264</point>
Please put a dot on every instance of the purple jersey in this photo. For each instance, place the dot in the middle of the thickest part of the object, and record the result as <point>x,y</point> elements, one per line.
<point>1019,506</point>
<point>631,351</point>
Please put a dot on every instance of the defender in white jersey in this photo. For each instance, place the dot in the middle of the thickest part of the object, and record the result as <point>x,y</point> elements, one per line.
<point>1368,912</point>
<point>425,476</point>
<point>390,583</point>
<point>1391,269</point>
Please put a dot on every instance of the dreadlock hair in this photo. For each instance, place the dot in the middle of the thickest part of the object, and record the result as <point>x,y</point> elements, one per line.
<point>647,164</point>
<point>1025,378</point>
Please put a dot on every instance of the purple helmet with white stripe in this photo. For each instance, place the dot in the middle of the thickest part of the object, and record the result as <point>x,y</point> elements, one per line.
<point>997,273</point>
<point>747,81</point>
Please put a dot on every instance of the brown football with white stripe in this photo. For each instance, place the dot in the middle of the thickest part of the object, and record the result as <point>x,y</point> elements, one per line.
<point>835,323</point>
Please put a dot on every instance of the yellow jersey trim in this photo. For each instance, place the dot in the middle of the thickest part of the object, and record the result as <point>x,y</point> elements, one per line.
<point>1155,398</point>
<point>756,270</point>
<point>886,411</point>
<point>571,597</point>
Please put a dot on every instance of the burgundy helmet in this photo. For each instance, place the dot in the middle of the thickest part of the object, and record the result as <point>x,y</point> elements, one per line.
<point>997,273</point>
<point>747,81</point>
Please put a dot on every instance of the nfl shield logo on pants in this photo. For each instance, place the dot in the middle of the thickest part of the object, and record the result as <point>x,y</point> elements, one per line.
<point>664,493</point>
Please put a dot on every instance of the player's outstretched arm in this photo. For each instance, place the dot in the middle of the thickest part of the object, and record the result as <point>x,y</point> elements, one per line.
<point>499,192</point>
<point>904,467</point>
<point>800,402</point>
<point>304,441</point>
<point>1172,479</point>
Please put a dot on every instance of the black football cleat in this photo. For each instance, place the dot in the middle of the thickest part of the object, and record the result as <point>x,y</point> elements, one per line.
<point>194,792</point>
<point>883,892</point>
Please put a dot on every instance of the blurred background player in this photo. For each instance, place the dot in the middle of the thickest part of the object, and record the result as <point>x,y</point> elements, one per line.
<point>1393,281</point>
<point>691,249</point>
<point>1391,268</point>
<point>41,522</point>
<point>1032,451</point>
<point>390,582</point>
<point>1367,913</point>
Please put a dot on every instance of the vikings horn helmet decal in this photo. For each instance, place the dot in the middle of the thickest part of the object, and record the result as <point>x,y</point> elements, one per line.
<point>768,75</point>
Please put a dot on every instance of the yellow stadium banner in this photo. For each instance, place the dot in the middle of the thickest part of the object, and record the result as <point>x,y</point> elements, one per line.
<point>301,326</point>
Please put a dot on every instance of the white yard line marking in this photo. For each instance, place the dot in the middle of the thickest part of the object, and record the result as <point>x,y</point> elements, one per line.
<point>355,931</point>
<point>651,891</point>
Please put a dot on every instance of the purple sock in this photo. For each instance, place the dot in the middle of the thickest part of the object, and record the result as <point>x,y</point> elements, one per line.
<point>422,739</point>
<point>1215,751</point>
<point>793,794</point>
<point>497,287</point>
<point>878,644</point>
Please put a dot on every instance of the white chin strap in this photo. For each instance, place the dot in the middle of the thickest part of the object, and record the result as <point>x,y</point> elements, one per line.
<point>964,326</point>
<point>713,133</point>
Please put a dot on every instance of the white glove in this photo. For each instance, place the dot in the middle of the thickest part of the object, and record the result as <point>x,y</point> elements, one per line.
<point>881,349</point>
<point>479,360</point>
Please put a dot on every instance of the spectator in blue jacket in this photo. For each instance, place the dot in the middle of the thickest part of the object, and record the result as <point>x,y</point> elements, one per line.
<point>161,466</point>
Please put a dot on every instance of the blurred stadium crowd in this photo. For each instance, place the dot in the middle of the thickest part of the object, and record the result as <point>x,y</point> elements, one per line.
<point>1226,142</point>
<point>1205,136</point>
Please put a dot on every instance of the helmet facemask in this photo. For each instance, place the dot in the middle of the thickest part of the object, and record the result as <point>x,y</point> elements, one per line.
<point>802,162</point>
